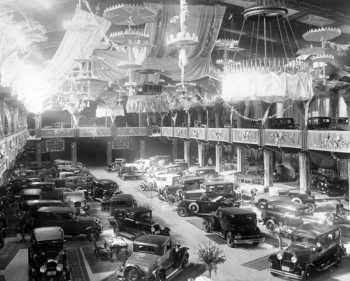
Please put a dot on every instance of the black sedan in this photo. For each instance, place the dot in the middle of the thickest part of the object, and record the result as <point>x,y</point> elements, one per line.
<point>190,207</point>
<point>331,186</point>
<point>104,187</point>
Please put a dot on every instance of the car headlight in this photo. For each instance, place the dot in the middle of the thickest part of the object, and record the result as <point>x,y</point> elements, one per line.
<point>43,268</point>
<point>59,267</point>
<point>279,256</point>
<point>294,259</point>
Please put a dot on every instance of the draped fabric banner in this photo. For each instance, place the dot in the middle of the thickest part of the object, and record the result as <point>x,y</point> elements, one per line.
<point>269,87</point>
<point>83,35</point>
<point>146,103</point>
<point>204,21</point>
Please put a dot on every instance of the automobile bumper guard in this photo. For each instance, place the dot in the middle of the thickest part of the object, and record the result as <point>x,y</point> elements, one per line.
<point>286,274</point>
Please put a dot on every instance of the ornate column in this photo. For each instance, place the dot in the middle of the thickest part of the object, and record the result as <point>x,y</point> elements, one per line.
<point>304,171</point>
<point>142,149</point>
<point>109,152</point>
<point>174,149</point>
<point>187,152</point>
<point>38,141</point>
<point>268,171</point>
<point>74,150</point>
<point>201,154</point>
<point>218,157</point>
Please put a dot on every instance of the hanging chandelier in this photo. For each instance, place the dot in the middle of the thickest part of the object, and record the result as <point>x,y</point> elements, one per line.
<point>181,41</point>
<point>267,24</point>
<point>121,12</point>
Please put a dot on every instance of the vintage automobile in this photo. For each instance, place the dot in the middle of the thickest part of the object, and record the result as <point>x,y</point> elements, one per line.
<point>314,248</point>
<point>281,123</point>
<point>331,186</point>
<point>190,207</point>
<point>206,172</point>
<point>130,173</point>
<point>283,214</point>
<point>177,190</point>
<point>121,201</point>
<point>33,205</point>
<point>76,198</point>
<point>30,194</point>
<point>154,257</point>
<point>44,186</point>
<point>101,186</point>
<point>71,224</point>
<point>235,225</point>
<point>136,221</point>
<point>288,195</point>
<point>164,179</point>
<point>213,188</point>
<point>47,257</point>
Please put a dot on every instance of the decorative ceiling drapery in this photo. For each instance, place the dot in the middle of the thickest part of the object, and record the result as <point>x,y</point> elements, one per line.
<point>147,103</point>
<point>84,33</point>
<point>269,87</point>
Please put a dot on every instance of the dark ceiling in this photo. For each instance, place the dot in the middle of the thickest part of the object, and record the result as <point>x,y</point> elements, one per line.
<point>304,14</point>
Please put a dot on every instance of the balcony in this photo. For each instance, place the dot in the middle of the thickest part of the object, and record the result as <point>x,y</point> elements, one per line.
<point>282,138</point>
<point>57,133</point>
<point>332,141</point>
<point>248,136</point>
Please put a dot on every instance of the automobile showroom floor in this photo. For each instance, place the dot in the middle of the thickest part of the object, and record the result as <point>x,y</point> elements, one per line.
<point>242,263</point>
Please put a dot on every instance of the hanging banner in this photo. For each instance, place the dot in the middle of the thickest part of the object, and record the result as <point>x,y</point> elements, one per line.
<point>121,143</point>
<point>54,145</point>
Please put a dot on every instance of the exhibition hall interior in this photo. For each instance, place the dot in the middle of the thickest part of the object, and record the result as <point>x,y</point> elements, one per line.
<point>174,140</point>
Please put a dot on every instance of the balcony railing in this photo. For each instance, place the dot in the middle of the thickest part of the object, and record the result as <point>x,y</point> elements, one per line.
<point>283,138</point>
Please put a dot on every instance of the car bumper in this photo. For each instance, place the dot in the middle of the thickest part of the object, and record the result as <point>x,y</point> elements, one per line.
<point>249,240</point>
<point>286,274</point>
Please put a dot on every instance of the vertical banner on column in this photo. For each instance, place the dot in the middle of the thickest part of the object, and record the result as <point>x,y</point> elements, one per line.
<point>121,143</point>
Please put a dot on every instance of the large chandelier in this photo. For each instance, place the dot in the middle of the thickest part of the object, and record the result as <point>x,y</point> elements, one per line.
<point>181,40</point>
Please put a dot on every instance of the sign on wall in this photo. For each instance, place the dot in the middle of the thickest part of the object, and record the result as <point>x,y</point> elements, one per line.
<point>54,145</point>
<point>121,143</point>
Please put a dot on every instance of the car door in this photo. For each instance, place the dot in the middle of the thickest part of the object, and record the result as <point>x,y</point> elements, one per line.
<point>166,261</point>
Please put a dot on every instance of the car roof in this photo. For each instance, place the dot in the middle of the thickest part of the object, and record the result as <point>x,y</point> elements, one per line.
<point>190,178</point>
<point>313,230</point>
<point>48,233</point>
<point>31,191</point>
<point>106,181</point>
<point>33,202</point>
<point>56,209</point>
<point>154,240</point>
<point>236,211</point>
<point>122,197</point>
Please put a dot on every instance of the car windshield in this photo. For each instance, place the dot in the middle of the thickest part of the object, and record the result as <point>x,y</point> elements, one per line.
<point>121,203</point>
<point>146,216</point>
<point>246,219</point>
<point>149,249</point>
<point>303,240</point>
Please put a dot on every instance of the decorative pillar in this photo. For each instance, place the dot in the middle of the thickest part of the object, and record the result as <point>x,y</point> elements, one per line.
<point>201,154</point>
<point>304,172</point>
<point>218,157</point>
<point>109,152</point>
<point>174,149</point>
<point>38,152</point>
<point>188,113</point>
<point>268,170</point>
<point>74,148</point>
<point>142,149</point>
<point>279,110</point>
<point>187,152</point>
<point>240,158</point>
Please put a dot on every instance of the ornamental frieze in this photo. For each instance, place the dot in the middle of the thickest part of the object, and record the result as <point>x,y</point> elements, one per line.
<point>94,132</point>
<point>197,133</point>
<point>132,131</point>
<point>338,141</point>
<point>181,132</point>
<point>245,136</point>
<point>54,133</point>
<point>283,138</point>
<point>219,134</point>
<point>167,131</point>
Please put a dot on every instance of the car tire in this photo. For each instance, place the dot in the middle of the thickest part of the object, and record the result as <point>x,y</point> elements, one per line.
<point>297,200</point>
<point>207,226</point>
<point>271,225</point>
<point>131,274</point>
<point>185,261</point>
<point>161,275</point>
<point>182,212</point>
<point>229,239</point>
<point>194,207</point>
<point>262,204</point>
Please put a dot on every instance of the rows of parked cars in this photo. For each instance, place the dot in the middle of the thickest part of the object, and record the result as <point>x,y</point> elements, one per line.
<point>315,245</point>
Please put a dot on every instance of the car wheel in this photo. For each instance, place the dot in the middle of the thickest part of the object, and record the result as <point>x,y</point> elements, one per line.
<point>262,204</point>
<point>229,239</point>
<point>310,208</point>
<point>297,200</point>
<point>207,226</point>
<point>194,207</point>
<point>131,274</point>
<point>161,275</point>
<point>271,225</point>
<point>185,261</point>
<point>182,212</point>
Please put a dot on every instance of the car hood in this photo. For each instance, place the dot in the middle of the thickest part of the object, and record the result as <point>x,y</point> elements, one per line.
<point>146,262</point>
<point>301,251</point>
